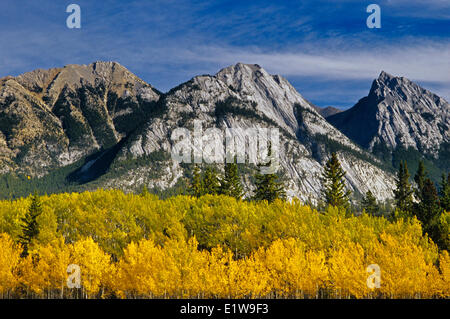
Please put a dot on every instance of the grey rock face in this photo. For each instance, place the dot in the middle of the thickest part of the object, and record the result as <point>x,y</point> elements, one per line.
<point>327,111</point>
<point>246,96</point>
<point>397,112</point>
<point>51,118</point>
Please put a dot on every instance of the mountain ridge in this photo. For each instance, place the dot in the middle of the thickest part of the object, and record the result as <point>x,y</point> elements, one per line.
<point>406,105</point>
<point>99,125</point>
<point>75,110</point>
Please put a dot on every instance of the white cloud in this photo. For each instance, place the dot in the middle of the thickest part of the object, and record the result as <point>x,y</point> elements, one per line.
<point>425,62</point>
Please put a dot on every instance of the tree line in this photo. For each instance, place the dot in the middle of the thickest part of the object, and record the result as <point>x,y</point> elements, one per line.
<point>422,200</point>
<point>213,246</point>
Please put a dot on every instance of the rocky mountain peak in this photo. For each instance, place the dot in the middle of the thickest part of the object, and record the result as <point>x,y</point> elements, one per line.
<point>274,96</point>
<point>397,112</point>
<point>51,118</point>
<point>101,112</point>
<point>391,88</point>
<point>242,76</point>
<point>243,68</point>
<point>327,111</point>
<point>385,77</point>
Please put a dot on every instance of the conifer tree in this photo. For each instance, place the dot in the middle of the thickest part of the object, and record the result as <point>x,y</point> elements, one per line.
<point>444,193</point>
<point>403,193</point>
<point>333,185</point>
<point>196,186</point>
<point>268,186</point>
<point>231,184</point>
<point>30,227</point>
<point>369,204</point>
<point>429,212</point>
<point>428,207</point>
<point>419,178</point>
<point>211,183</point>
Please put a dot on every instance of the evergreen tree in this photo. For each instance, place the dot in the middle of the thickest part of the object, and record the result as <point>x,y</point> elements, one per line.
<point>403,193</point>
<point>429,212</point>
<point>231,183</point>
<point>369,204</point>
<point>268,186</point>
<point>30,227</point>
<point>196,186</point>
<point>419,178</point>
<point>211,183</point>
<point>428,207</point>
<point>333,185</point>
<point>444,193</point>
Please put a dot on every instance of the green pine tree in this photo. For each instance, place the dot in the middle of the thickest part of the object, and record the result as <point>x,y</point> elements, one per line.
<point>30,227</point>
<point>403,192</point>
<point>211,182</point>
<point>231,183</point>
<point>429,212</point>
<point>444,193</point>
<point>419,178</point>
<point>333,185</point>
<point>428,207</point>
<point>268,186</point>
<point>369,204</point>
<point>196,186</point>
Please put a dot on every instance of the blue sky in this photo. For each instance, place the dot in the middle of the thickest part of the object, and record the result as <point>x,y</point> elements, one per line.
<point>324,48</point>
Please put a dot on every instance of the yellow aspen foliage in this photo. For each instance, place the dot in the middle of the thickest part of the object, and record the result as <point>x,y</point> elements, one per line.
<point>146,270</point>
<point>254,278</point>
<point>233,276</point>
<point>293,270</point>
<point>189,262</point>
<point>405,270</point>
<point>348,276</point>
<point>216,275</point>
<point>444,266</point>
<point>95,265</point>
<point>44,271</point>
<point>9,259</point>
<point>130,246</point>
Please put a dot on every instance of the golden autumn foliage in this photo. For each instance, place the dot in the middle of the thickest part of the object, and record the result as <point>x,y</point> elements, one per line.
<point>95,265</point>
<point>44,269</point>
<point>347,270</point>
<point>130,246</point>
<point>9,259</point>
<point>444,265</point>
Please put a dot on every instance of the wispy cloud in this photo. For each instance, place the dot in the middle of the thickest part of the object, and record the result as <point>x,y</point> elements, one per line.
<point>422,61</point>
<point>323,47</point>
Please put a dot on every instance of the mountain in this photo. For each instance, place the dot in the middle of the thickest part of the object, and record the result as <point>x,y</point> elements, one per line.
<point>52,118</point>
<point>245,96</point>
<point>83,127</point>
<point>327,111</point>
<point>399,115</point>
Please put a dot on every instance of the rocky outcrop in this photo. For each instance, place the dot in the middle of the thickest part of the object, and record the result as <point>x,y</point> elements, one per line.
<point>327,111</point>
<point>244,96</point>
<point>51,118</point>
<point>397,112</point>
<point>121,127</point>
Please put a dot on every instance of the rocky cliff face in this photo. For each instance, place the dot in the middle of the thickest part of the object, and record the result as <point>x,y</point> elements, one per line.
<point>246,96</point>
<point>397,112</point>
<point>52,118</point>
<point>121,127</point>
<point>327,111</point>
